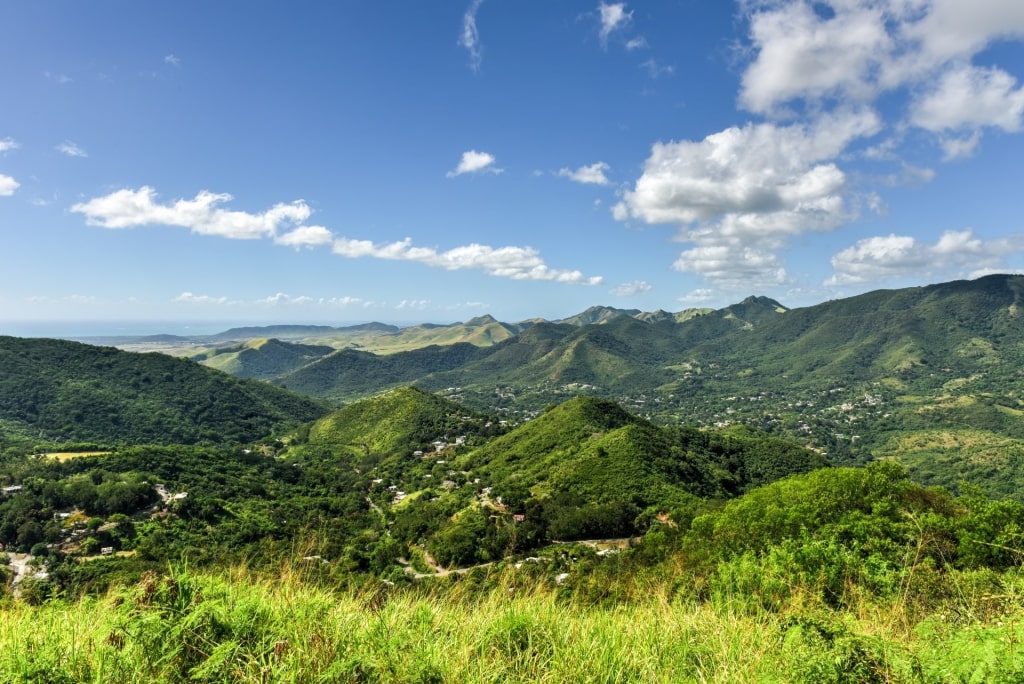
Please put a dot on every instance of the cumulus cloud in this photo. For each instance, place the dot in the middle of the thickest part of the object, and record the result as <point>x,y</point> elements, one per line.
<point>283,223</point>
<point>7,144</point>
<point>129,208</point>
<point>741,193</point>
<point>8,185</point>
<point>517,263</point>
<point>613,17</point>
<point>282,299</point>
<point>189,298</point>
<point>857,50</point>
<point>971,97</point>
<point>475,162</point>
<point>955,254</point>
<point>71,149</point>
<point>593,174</point>
<point>634,288</point>
<point>470,37</point>
<point>306,236</point>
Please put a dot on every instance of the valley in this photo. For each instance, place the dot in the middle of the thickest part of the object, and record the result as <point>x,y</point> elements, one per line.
<point>809,467</point>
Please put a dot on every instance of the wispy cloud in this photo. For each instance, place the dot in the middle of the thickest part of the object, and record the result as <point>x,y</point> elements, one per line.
<point>632,289</point>
<point>517,263</point>
<point>475,162</point>
<point>592,174</point>
<point>613,17</point>
<point>698,296</point>
<point>470,37</point>
<point>655,70</point>
<point>636,43</point>
<point>59,79</point>
<point>7,144</point>
<point>71,149</point>
<point>413,304</point>
<point>172,60</point>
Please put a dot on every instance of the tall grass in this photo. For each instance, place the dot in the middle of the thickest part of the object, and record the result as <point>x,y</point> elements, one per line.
<point>237,627</point>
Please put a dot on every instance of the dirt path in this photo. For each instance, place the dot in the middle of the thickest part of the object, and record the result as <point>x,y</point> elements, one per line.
<point>20,569</point>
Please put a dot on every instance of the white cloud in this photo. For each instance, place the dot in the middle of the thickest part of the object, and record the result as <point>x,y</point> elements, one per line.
<point>634,288</point>
<point>132,208</point>
<point>71,149</point>
<point>697,296</point>
<point>740,193</point>
<point>517,263</point>
<point>8,185</point>
<point>7,144</point>
<point>475,162</point>
<point>654,70</point>
<point>413,304</point>
<point>636,43</point>
<point>306,236</point>
<point>954,147</point>
<point>955,254</point>
<point>757,170</point>
<point>801,54</point>
<point>189,298</point>
<point>971,97</point>
<point>734,265</point>
<point>346,302</point>
<point>281,299</point>
<point>594,174</point>
<point>843,50</point>
<point>613,17</point>
<point>470,38</point>
<point>172,60</point>
<point>60,79</point>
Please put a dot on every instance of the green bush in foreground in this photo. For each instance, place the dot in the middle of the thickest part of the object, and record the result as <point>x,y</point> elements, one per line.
<point>238,628</point>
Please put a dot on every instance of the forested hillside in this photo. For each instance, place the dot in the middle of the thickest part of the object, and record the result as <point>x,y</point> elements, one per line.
<point>59,391</point>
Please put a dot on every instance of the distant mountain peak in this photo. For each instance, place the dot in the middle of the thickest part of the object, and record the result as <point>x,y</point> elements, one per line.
<point>486,319</point>
<point>767,302</point>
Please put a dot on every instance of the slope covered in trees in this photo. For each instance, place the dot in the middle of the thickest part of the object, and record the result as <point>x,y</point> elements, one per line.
<point>59,391</point>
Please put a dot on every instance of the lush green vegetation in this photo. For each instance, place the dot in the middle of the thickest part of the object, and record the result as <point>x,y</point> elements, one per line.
<point>59,391</point>
<point>839,575</point>
<point>677,529</point>
<point>240,628</point>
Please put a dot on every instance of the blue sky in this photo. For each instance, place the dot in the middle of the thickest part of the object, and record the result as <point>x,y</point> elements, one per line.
<point>414,161</point>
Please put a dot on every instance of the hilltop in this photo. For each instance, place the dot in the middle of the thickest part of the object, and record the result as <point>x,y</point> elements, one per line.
<point>61,391</point>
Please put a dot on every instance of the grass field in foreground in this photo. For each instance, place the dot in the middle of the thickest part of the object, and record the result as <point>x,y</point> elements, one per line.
<point>234,627</point>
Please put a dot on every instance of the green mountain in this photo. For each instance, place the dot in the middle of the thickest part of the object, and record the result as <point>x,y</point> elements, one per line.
<point>593,449</point>
<point>348,374</point>
<point>597,315</point>
<point>438,472</point>
<point>263,359</point>
<point>60,391</point>
<point>395,423</point>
